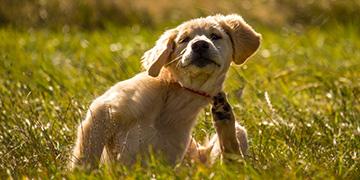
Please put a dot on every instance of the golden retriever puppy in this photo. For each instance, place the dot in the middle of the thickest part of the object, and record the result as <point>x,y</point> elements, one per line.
<point>157,109</point>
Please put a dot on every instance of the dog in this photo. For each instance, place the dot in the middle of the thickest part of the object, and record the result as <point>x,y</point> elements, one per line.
<point>157,108</point>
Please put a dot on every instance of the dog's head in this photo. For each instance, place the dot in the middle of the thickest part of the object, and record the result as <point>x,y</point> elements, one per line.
<point>198,53</point>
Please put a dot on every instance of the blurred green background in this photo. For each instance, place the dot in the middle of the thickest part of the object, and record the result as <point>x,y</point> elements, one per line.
<point>298,97</point>
<point>97,13</point>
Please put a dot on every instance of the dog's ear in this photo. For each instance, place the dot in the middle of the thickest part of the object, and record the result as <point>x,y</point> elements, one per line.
<point>155,58</point>
<point>244,39</point>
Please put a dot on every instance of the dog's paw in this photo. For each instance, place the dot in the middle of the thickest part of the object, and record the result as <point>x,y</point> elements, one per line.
<point>221,109</point>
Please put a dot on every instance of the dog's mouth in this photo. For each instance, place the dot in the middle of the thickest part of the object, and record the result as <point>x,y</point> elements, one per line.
<point>200,60</point>
<point>203,61</point>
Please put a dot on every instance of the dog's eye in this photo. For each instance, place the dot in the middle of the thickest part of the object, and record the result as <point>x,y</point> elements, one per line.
<point>184,39</point>
<point>214,36</point>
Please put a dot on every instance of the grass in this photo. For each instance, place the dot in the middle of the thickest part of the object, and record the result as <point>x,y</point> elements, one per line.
<point>96,14</point>
<point>300,102</point>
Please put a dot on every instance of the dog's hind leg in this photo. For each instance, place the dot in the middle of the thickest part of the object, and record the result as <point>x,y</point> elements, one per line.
<point>197,152</point>
<point>92,136</point>
<point>231,137</point>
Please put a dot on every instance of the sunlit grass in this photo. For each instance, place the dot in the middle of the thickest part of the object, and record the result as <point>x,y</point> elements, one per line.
<point>299,98</point>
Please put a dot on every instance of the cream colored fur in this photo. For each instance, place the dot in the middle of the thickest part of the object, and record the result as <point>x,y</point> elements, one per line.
<point>152,109</point>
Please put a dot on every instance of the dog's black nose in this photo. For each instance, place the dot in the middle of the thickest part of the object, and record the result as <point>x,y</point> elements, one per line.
<point>200,46</point>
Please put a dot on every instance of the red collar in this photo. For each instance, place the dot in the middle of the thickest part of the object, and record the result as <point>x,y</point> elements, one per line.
<point>201,93</point>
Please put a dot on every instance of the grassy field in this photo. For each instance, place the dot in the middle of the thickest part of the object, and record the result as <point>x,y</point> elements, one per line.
<point>300,101</point>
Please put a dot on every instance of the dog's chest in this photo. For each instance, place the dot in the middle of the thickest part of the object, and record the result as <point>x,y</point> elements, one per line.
<point>128,144</point>
<point>167,132</point>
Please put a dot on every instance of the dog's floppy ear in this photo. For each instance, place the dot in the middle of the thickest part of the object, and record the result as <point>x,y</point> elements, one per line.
<point>245,40</point>
<point>155,58</point>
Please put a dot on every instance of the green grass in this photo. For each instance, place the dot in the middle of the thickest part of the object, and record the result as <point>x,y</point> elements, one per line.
<point>300,102</point>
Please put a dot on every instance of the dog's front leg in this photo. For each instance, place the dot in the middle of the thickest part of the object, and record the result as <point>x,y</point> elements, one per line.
<point>92,135</point>
<point>230,134</point>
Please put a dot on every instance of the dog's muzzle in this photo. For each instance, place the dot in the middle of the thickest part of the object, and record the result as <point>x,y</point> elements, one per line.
<point>200,56</point>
